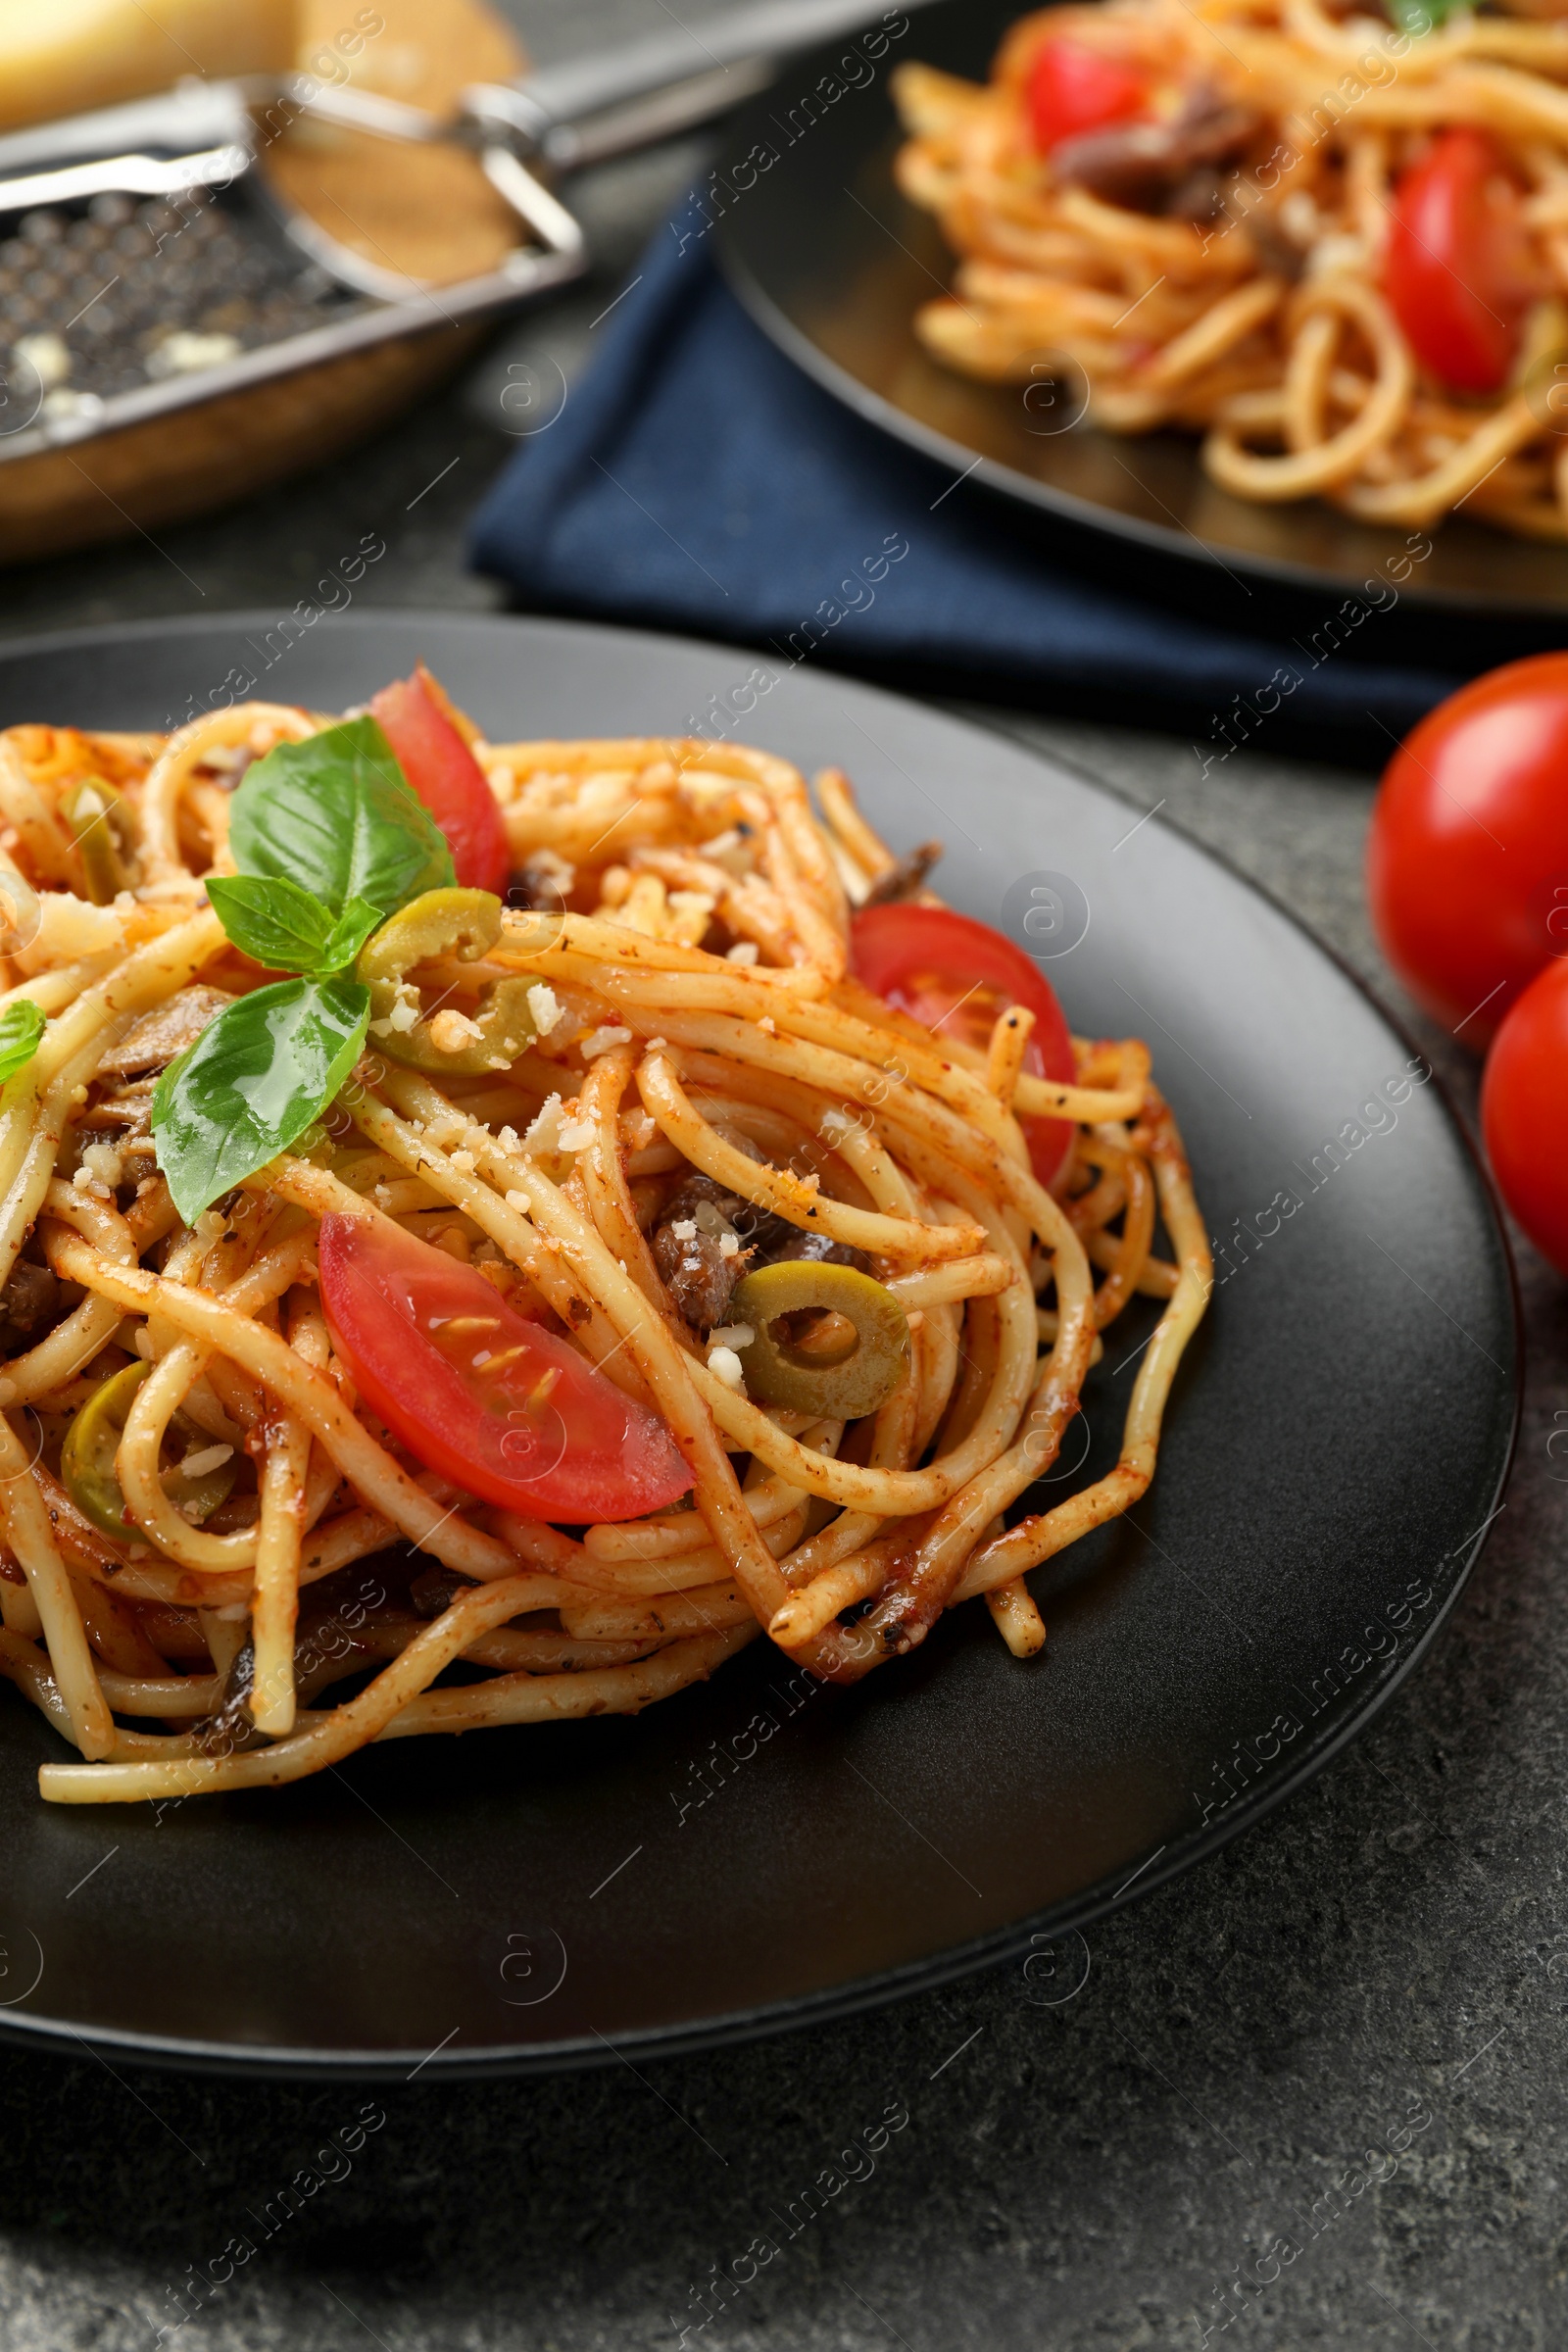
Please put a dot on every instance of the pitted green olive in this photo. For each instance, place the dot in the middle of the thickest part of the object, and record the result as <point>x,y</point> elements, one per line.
<point>465,924</point>
<point>843,1362</point>
<point>87,1461</point>
<point>102,829</point>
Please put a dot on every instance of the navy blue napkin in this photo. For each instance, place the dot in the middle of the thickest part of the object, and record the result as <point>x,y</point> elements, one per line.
<point>696,481</point>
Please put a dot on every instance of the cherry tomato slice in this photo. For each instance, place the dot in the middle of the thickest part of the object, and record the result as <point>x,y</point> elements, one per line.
<point>448,779</point>
<point>956,976</point>
<point>1524,1112</point>
<point>1454,270</point>
<point>507,1410</point>
<point>1467,858</point>
<point>1073,89</point>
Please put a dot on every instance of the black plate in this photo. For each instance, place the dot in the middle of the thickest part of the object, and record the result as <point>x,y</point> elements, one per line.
<point>1334,1445</point>
<point>833,263</point>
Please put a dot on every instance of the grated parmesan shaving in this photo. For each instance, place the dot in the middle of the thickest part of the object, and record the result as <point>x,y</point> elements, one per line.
<point>727,1365</point>
<point>603,1041</point>
<point>542,1135</point>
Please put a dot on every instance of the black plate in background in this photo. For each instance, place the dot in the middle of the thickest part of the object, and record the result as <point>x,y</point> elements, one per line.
<point>1336,1437</point>
<point>833,263</point>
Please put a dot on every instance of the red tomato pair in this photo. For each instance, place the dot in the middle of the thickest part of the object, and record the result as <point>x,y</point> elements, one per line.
<point>1467,870</point>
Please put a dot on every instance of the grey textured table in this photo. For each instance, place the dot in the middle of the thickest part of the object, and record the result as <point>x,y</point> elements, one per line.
<point>1361,1997</point>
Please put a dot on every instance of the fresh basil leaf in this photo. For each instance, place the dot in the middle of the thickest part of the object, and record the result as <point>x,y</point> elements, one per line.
<point>1417,17</point>
<point>348,936</point>
<point>253,1082</point>
<point>276,924</point>
<point>286,928</point>
<point>22,1024</point>
<point>336,816</point>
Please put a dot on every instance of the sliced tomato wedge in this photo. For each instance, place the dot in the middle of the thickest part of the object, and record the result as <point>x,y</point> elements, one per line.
<point>955,975</point>
<point>1072,88</point>
<point>1456,269</point>
<point>448,779</point>
<point>507,1411</point>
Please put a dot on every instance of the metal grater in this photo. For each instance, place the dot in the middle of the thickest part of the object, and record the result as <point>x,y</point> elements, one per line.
<point>149,268</point>
<point>107,298</point>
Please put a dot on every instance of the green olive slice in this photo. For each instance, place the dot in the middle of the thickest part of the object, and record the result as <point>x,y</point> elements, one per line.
<point>842,1364</point>
<point>87,1461</point>
<point>461,923</point>
<point>100,829</point>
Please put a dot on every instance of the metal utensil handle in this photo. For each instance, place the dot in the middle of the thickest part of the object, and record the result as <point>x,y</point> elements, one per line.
<point>559,96</point>
<point>127,174</point>
<point>193,116</point>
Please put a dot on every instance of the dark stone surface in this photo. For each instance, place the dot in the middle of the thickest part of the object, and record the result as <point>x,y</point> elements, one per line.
<point>1316,2089</point>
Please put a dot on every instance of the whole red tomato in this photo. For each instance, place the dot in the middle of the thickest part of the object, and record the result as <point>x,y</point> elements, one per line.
<point>1467,860</point>
<point>1524,1111</point>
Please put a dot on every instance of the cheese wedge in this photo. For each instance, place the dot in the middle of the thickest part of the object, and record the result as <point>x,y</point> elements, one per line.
<point>64,57</point>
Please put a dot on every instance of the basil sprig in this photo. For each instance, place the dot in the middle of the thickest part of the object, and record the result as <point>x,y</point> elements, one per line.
<point>329,840</point>
<point>22,1024</point>
<point>282,926</point>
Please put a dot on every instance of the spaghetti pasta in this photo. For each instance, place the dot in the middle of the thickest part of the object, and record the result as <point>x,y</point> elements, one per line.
<point>196,1456</point>
<point>1332,245</point>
